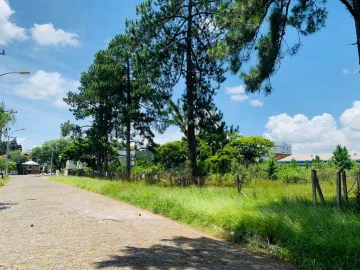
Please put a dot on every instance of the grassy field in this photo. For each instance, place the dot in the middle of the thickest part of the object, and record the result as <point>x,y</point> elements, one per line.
<point>273,217</point>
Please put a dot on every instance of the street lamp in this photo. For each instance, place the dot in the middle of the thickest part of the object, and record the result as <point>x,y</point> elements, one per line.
<point>7,147</point>
<point>23,72</point>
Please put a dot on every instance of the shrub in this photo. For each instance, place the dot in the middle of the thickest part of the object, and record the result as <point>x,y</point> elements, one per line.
<point>290,174</point>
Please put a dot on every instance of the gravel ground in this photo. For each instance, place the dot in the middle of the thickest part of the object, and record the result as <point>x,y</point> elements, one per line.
<point>45,225</point>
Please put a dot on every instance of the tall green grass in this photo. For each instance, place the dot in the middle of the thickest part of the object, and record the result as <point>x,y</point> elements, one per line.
<point>274,217</point>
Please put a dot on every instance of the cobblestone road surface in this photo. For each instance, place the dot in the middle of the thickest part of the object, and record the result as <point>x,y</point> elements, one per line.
<point>45,225</point>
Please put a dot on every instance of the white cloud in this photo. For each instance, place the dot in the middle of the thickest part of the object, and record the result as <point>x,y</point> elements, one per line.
<point>318,134</point>
<point>239,98</point>
<point>9,31</point>
<point>49,86</point>
<point>235,90</point>
<point>237,93</point>
<point>256,103</point>
<point>47,35</point>
<point>346,71</point>
<point>351,117</point>
<point>170,135</point>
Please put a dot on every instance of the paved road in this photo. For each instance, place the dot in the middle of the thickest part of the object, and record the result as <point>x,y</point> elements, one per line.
<point>45,225</point>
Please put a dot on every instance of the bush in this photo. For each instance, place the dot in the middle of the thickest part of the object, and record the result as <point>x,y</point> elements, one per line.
<point>290,174</point>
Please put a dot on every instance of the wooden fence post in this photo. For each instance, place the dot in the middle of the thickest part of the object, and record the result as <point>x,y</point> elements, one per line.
<point>319,191</point>
<point>358,188</point>
<point>338,188</point>
<point>182,182</point>
<point>313,182</point>
<point>346,198</point>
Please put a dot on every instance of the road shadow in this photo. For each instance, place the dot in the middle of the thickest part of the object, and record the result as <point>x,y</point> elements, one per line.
<point>184,253</point>
<point>6,205</point>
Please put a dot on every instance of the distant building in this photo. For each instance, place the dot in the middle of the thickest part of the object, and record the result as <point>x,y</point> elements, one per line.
<point>282,150</point>
<point>133,154</point>
<point>31,167</point>
<point>302,159</point>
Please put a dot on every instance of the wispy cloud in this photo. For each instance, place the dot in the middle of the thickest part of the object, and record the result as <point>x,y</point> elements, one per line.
<point>346,71</point>
<point>237,93</point>
<point>256,103</point>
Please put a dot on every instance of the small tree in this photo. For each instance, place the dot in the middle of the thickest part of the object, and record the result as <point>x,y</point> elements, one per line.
<point>223,160</point>
<point>341,157</point>
<point>317,162</point>
<point>272,168</point>
<point>252,148</point>
<point>171,155</point>
<point>293,163</point>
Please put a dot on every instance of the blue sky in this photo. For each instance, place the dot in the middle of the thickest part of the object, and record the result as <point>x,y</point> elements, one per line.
<point>313,106</point>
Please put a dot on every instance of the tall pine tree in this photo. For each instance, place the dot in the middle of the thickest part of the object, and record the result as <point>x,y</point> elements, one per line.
<point>181,32</point>
<point>141,104</point>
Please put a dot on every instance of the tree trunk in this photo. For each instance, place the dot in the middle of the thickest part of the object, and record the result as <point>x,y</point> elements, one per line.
<point>190,98</point>
<point>106,160</point>
<point>128,124</point>
<point>98,162</point>
<point>356,5</point>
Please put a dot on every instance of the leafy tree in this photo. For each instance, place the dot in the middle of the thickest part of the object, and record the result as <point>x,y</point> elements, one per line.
<point>6,117</point>
<point>293,163</point>
<point>11,165</point>
<point>252,148</point>
<point>171,155</point>
<point>80,150</point>
<point>203,153</point>
<point>222,161</point>
<point>181,33</point>
<point>272,167</point>
<point>317,162</point>
<point>13,145</point>
<point>49,149</point>
<point>341,157</point>
<point>18,158</point>
<point>142,105</point>
<point>97,99</point>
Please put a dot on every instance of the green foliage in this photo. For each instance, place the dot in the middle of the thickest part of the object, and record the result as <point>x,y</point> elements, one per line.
<point>260,26</point>
<point>293,174</point>
<point>18,159</point>
<point>11,166</point>
<point>222,161</point>
<point>252,148</point>
<point>293,163</point>
<point>257,171</point>
<point>2,163</point>
<point>341,157</point>
<point>80,150</point>
<point>272,168</point>
<point>317,162</point>
<point>171,155</point>
<point>271,217</point>
<point>7,116</point>
<point>42,154</point>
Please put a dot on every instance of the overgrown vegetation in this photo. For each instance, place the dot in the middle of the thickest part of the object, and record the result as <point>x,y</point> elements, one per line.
<point>273,217</point>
